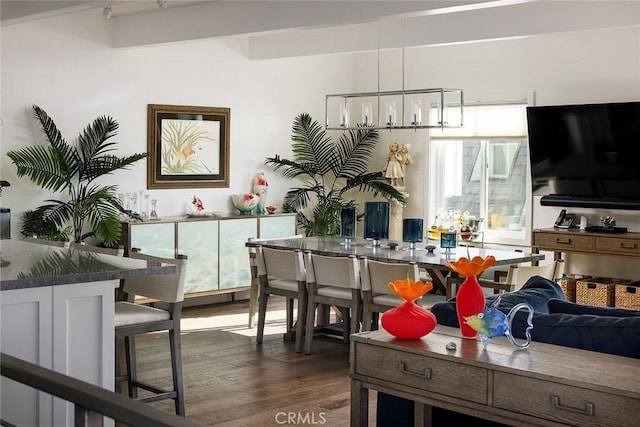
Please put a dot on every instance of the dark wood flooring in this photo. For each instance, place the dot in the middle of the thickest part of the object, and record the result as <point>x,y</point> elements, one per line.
<point>231,381</point>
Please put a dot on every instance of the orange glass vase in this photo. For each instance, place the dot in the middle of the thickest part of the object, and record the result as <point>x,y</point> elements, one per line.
<point>470,297</point>
<point>409,321</point>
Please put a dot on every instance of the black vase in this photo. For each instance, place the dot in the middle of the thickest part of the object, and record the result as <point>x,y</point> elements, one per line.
<point>376,221</point>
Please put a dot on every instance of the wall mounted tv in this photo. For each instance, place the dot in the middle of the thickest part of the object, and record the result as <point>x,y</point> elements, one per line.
<point>586,155</point>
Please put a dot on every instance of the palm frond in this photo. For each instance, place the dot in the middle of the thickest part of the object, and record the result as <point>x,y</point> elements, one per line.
<point>290,168</point>
<point>354,150</point>
<point>374,182</point>
<point>106,164</point>
<point>67,155</point>
<point>92,141</point>
<point>310,143</point>
<point>41,164</point>
<point>103,220</point>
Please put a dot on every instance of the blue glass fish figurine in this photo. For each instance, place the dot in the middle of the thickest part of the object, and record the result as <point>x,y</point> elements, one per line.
<point>493,323</point>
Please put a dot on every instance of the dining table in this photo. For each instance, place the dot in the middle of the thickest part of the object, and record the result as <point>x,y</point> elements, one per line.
<point>433,261</point>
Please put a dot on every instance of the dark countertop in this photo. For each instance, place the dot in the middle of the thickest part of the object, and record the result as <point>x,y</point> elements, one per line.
<point>30,265</point>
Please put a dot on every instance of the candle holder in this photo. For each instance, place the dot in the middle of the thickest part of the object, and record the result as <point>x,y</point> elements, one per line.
<point>376,222</point>
<point>412,232</point>
<point>347,225</point>
<point>448,241</point>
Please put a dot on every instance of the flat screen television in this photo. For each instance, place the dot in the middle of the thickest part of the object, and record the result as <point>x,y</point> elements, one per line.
<point>586,155</point>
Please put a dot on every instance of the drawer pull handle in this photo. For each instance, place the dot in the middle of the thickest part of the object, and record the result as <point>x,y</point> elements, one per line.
<point>425,373</point>
<point>589,408</point>
<point>563,241</point>
<point>627,246</point>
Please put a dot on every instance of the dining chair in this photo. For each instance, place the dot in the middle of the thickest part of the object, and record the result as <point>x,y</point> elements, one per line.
<point>332,281</point>
<point>517,275</point>
<point>255,283</point>
<point>282,272</point>
<point>132,319</point>
<point>57,243</point>
<point>376,295</point>
<point>116,251</point>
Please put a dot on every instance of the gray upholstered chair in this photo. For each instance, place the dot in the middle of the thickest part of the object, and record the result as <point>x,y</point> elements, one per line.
<point>57,243</point>
<point>282,272</point>
<point>116,251</point>
<point>376,295</point>
<point>332,281</point>
<point>132,319</point>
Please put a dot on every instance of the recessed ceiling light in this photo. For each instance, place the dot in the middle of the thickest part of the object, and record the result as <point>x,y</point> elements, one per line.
<point>107,12</point>
<point>162,3</point>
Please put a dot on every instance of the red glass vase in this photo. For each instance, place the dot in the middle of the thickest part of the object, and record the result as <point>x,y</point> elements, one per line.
<point>408,321</point>
<point>469,301</point>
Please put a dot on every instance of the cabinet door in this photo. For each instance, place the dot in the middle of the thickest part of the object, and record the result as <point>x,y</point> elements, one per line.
<point>154,239</point>
<point>26,333</point>
<point>273,226</point>
<point>234,255</point>
<point>199,241</point>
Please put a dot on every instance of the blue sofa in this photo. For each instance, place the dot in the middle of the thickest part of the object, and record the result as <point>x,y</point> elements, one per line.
<point>555,321</point>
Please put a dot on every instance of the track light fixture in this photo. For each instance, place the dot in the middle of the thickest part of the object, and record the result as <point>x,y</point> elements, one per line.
<point>106,12</point>
<point>162,3</point>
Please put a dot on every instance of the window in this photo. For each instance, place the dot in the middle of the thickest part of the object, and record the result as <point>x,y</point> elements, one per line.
<point>482,169</point>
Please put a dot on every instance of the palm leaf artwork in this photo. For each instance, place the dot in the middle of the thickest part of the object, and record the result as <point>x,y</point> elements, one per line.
<point>327,171</point>
<point>180,141</point>
<point>72,169</point>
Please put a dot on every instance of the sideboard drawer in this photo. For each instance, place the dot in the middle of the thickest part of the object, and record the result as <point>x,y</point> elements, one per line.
<point>563,242</point>
<point>562,403</point>
<point>424,373</point>
<point>618,245</point>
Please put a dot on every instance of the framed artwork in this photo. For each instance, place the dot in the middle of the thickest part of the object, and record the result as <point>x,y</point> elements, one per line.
<point>188,146</point>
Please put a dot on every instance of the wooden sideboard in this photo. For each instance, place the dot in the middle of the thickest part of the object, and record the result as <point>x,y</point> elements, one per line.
<point>545,385</point>
<point>573,240</point>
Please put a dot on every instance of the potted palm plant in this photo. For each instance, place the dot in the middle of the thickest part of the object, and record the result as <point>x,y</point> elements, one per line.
<point>73,169</point>
<point>328,171</point>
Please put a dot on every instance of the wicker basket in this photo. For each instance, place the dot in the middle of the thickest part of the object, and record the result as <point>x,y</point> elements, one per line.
<point>628,296</point>
<point>568,284</point>
<point>599,291</point>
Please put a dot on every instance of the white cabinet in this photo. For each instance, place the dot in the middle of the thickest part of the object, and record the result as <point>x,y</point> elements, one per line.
<point>66,328</point>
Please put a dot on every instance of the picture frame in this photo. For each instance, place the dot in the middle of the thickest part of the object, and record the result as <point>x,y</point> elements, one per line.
<point>188,146</point>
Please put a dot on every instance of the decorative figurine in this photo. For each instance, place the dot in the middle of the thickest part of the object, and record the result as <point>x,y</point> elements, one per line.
<point>260,187</point>
<point>393,169</point>
<point>493,323</point>
<point>405,161</point>
<point>197,203</point>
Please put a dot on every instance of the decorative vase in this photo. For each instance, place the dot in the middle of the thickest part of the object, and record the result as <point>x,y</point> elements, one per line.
<point>470,301</point>
<point>412,231</point>
<point>409,321</point>
<point>348,224</point>
<point>376,221</point>
<point>470,298</point>
<point>260,187</point>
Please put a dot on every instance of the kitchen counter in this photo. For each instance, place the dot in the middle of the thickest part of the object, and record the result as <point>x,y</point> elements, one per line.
<point>57,311</point>
<point>29,265</point>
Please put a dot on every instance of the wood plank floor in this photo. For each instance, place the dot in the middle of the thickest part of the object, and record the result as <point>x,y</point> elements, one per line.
<point>231,381</point>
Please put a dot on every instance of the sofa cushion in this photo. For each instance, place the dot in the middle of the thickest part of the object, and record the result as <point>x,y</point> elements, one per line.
<point>567,307</point>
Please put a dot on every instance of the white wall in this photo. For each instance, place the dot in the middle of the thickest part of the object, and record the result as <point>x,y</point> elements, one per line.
<point>66,66</point>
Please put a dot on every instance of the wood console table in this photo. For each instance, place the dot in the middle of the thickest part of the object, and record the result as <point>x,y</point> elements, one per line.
<point>573,240</point>
<point>545,385</point>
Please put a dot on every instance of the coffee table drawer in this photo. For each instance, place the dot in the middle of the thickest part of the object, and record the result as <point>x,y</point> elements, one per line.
<point>562,241</point>
<point>562,403</point>
<point>424,373</point>
<point>618,245</point>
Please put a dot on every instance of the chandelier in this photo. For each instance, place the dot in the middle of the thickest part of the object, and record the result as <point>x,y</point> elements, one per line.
<point>396,109</point>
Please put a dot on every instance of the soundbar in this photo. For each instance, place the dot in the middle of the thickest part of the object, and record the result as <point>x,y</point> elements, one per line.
<point>590,202</point>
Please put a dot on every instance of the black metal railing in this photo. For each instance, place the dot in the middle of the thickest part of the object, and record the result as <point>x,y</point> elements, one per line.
<point>92,403</point>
